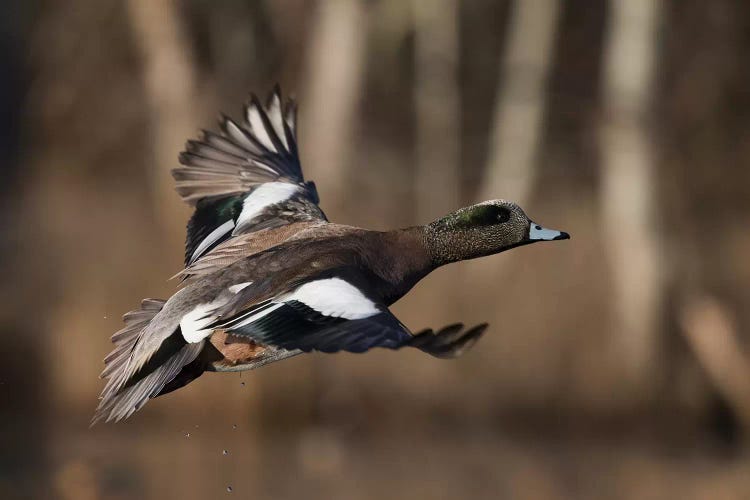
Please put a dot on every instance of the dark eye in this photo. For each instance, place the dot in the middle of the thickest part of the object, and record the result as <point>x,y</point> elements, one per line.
<point>503,214</point>
<point>488,215</point>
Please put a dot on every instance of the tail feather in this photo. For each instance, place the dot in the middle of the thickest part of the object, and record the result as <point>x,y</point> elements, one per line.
<point>123,403</point>
<point>127,390</point>
<point>187,374</point>
<point>125,339</point>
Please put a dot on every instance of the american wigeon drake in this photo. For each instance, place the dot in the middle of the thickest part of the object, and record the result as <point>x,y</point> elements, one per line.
<point>268,277</point>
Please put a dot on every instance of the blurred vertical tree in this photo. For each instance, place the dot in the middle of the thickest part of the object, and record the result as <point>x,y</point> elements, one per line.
<point>334,70</point>
<point>630,223</point>
<point>24,460</point>
<point>518,118</point>
<point>437,178</point>
<point>170,81</point>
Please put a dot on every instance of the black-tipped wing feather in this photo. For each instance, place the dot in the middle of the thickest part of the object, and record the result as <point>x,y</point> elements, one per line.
<point>246,178</point>
<point>448,342</point>
<point>241,157</point>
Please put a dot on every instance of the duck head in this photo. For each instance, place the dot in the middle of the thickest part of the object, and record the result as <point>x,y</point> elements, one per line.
<point>484,229</point>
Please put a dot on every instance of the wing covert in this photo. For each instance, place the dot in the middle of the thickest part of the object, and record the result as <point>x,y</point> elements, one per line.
<point>327,315</point>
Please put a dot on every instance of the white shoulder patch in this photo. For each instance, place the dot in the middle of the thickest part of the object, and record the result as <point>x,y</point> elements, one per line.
<point>193,323</point>
<point>336,298</point>
<point>264,196</point>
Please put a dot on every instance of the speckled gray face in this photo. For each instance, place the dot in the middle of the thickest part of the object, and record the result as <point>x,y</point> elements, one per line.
<point>484,229</point>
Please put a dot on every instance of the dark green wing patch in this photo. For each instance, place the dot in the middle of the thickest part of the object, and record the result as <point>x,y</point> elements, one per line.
<point>208,216</point>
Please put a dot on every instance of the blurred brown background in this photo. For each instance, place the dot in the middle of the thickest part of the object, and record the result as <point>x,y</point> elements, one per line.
<point>616,365</point>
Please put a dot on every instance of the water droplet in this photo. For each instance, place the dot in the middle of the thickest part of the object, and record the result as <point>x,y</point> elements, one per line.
<point>187,434</point>
<point>242,384</point>
<point>234,426</point>
<point>105,317</point>
<point>196,426</point>
<point>225,452</point>
<point>229,489</point>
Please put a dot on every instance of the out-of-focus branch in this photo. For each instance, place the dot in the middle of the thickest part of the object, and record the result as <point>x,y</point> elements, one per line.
<point>334,72</point>
<point>437,107</point>
<point>713,337</point>
<point>170,83</point>
<point>517,120</point>
<point>628,182</point>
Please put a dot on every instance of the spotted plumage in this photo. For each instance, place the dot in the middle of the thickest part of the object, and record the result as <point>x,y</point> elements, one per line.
<point>268,277</point>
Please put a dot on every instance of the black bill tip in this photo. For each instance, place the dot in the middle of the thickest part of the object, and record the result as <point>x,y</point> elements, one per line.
<point>563,236</point>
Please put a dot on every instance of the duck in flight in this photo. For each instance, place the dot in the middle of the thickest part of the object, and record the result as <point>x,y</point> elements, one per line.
<point>267,276</point>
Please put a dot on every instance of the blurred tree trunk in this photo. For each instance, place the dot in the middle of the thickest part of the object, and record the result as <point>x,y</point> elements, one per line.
<point>335,68</point>
<point>713,337</point>
<point>628,177</point>
<point>170,82</point>
<point>437,100</point>
<point>518,117</point>
<point>24,435</point>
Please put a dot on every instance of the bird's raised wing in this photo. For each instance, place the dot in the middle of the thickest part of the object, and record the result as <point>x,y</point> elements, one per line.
<point>245,178</point>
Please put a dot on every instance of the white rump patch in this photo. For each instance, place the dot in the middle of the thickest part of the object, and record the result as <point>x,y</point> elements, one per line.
<point>212,238</point>
<point>264,196</point>
<point>336,298</point>
<point>193,323</point>
<point>537,232</point>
